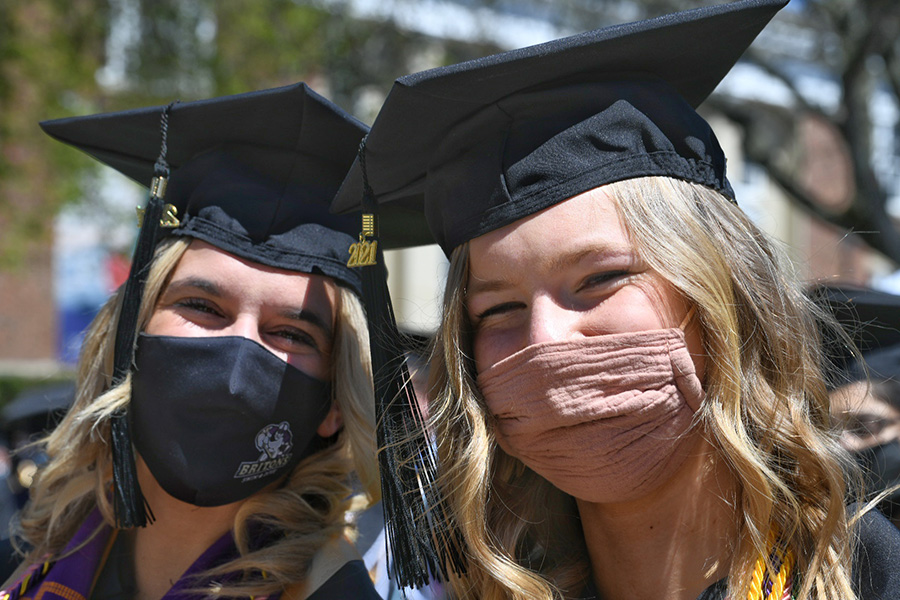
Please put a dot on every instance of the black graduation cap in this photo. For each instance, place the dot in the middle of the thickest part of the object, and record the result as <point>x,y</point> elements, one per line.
<point>478,145</point>
<point>474,146</point>
<point>252,174</point>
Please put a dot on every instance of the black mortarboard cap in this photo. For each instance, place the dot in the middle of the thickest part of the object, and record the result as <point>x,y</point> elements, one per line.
<point>478,145</point>
<point>252,174</point>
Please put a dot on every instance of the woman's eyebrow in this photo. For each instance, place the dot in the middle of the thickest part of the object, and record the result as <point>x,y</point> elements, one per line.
<point>477,286</point>
<point>197,283</point>
<point>600,251</point>
<point>557,263</point>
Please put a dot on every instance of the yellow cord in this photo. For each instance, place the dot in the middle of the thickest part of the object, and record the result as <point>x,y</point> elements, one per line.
<point>781,559</point>
<point>756,581</point>
<point>782,580</point>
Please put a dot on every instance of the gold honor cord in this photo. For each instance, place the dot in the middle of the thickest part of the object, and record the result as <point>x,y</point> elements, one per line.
<point>767,585</point>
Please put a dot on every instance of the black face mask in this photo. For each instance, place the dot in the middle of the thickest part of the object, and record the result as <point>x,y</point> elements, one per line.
<point>217,419</point>
<point>882,470</point>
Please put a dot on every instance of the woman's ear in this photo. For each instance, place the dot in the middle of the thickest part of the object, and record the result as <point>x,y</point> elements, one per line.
<point>332,423</point>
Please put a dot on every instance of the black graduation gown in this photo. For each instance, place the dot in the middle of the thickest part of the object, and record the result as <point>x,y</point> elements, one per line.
<point>876,565</point>
<point>350,581</point>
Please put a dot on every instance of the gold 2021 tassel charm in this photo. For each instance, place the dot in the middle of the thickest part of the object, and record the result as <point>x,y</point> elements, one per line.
<point>364,252</point>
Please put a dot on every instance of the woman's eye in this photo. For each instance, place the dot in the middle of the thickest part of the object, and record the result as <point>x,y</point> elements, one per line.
<point>199,305</point>
<point>497,309</point>
<point>298,337</point>
<point>598,279</point>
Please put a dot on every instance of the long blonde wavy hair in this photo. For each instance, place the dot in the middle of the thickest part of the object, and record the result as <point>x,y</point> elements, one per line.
<point>766,412</point>
<point>308,509</point>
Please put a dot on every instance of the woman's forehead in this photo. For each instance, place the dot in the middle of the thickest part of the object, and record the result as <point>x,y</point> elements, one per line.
<point>227,273</point>
<point>586,223</point>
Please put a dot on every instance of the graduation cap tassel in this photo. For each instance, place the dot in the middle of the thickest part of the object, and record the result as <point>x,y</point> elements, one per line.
<point>420,546</point>
<point>128,502</point>
<point>129,505</point>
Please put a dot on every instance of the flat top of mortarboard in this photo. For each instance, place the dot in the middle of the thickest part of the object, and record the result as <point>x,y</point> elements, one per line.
<point>431,115</point>
<point>252,174</point>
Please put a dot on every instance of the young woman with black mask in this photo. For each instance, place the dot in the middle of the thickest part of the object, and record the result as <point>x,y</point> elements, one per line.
<point>235,358</point>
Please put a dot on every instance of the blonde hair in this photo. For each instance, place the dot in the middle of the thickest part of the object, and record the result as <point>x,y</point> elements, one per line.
<point>766,412</point>
<point>307,510</point>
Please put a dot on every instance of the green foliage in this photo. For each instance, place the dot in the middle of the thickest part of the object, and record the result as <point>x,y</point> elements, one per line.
<point>49,51</point>
<point>266,44</point>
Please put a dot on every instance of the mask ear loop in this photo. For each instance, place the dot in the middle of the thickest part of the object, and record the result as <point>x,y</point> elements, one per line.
<point>683,327</point>
<point>687,318</point>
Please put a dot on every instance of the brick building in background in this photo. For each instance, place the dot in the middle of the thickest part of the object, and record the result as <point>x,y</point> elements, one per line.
<point>49,297</point>
<point>28,319</point>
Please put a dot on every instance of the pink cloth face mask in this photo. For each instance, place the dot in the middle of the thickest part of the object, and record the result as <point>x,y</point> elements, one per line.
<point>603,418</point>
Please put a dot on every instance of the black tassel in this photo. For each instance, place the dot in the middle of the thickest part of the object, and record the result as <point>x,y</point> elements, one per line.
<point>129,505</point>
<point>422,542</point>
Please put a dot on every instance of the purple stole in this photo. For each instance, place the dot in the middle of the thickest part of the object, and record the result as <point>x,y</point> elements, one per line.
<point>72,577</point>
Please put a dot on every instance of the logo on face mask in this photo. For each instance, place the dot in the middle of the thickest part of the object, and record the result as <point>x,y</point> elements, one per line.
<point>274,443</point>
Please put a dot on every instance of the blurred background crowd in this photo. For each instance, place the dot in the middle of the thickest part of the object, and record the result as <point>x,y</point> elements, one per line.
<point>810,119</point>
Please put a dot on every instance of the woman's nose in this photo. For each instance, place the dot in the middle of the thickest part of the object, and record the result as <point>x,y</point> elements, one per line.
<point>552,322</point>
<point>243,326</point>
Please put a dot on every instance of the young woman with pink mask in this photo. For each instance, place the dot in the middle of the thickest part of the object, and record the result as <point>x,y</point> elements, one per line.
<point>627,396</point>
